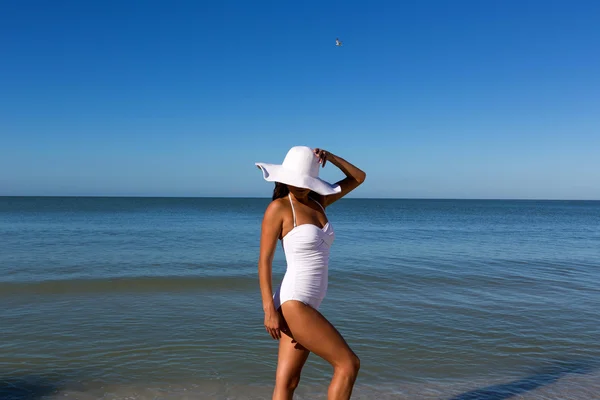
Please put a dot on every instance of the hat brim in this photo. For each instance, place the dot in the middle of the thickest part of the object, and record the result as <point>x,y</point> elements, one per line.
<point>277,173</point>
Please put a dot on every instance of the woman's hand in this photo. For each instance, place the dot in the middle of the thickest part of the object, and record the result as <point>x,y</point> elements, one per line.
<point>323,155</point>
<point>274,324</point>
<point>354,176</point>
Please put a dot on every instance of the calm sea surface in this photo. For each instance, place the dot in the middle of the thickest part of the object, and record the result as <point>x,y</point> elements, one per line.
<point>144,298</point>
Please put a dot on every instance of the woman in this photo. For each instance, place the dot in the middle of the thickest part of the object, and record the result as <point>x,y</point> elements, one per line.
<point>296,216</point>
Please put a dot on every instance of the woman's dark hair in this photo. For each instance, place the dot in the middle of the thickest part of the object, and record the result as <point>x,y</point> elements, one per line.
<point>281,190</point>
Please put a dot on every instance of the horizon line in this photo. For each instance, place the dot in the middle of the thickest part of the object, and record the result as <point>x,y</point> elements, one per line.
<point>268,197</point>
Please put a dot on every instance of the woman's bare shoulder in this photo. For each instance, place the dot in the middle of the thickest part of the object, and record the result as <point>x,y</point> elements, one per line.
<point>276,209</point>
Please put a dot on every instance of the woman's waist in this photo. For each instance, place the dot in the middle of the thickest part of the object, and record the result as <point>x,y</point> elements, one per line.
<point>302,266</point>
<point>315,278</point>
<point>317,257</point>
<point>314,268</point>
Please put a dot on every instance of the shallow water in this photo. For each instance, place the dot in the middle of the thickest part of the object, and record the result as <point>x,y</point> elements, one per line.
<point>158,298</point>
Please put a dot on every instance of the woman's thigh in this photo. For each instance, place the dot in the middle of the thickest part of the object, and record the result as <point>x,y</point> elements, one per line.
<point>314,332</point>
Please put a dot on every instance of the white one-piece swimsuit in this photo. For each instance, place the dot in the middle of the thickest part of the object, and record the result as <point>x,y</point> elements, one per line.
<point>306,249</point>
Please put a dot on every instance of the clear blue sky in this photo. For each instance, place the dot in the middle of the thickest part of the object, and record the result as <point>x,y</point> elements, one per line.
<point>450,99</point>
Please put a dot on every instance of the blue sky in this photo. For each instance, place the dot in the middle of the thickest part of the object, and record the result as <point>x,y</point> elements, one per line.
<point>434,99</point>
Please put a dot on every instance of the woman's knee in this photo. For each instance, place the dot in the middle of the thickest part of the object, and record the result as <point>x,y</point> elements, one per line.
<point>349,365</point>
<point>287,382</point>
<point>355,363</point>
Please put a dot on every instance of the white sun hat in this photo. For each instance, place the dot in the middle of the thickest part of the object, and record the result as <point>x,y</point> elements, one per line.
<point>300,168</point>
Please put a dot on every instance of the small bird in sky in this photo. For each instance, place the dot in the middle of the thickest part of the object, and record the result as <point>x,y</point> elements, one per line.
<point>338,42</point>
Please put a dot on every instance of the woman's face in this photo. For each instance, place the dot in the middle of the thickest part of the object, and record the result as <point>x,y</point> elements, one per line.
<point>299,193</point>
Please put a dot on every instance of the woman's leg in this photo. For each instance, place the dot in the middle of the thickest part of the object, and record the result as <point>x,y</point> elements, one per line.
<point>290,361</point>
<point>312,330</point>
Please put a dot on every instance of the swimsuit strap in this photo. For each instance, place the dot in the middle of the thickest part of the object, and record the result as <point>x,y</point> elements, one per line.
<point>293,211</point>
<point>322,208</point>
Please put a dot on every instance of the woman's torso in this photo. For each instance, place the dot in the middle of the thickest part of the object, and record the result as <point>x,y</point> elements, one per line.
<point>306,246</point>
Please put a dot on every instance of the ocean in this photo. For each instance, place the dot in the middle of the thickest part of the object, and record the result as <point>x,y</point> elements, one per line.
<point>158,298</point>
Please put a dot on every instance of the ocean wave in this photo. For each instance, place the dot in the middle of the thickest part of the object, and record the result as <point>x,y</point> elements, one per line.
<point>130,284</point>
